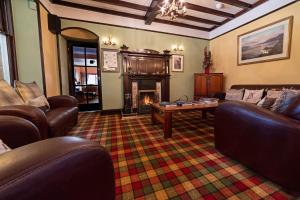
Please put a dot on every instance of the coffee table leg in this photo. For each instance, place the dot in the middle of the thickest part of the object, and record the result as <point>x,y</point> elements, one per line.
<point>167,124</point>
<point>152,115</point>
<point>204,114</point>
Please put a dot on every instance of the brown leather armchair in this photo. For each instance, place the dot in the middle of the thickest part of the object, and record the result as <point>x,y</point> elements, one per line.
<point>66,168</point>
<point>266,142</point>
<point>61,117</point>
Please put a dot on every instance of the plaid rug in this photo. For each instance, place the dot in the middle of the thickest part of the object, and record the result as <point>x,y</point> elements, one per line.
<point>186,166</point>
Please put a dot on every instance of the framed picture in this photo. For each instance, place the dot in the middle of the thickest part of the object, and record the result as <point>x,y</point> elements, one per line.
<point>268,43</point>
<point>110,61</point>
<point>177,63</point>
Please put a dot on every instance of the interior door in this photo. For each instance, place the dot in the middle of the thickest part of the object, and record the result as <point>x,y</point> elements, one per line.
<point>85,83</point>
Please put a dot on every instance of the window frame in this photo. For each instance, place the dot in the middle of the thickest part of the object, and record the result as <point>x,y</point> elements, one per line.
<point>6,28</point>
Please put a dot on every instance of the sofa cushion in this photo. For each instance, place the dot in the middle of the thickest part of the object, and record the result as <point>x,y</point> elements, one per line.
<point>61,120</point>
<point>287,97</point>
<point>234,94</point>
<point>3,147</point>
<point>31,95</point>
<point>8,95</point>
<point>293,109</point>
<point>253,96</point>
<point>266,102</point>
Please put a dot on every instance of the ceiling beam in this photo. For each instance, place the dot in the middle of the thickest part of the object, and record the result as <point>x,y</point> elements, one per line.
<point>152,11</point>
<point>200,20</point>
<point>123,14</point>
<point>124,4</point>
<point>209,10</point>
<point>240,4</point>
<point>174,23</point>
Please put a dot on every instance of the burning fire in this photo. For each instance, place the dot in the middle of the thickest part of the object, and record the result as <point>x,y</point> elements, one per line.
<point>147,100</point>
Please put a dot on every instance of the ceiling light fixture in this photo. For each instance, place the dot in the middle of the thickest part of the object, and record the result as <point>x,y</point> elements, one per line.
<point>173,8</point>
<point>219,5</point>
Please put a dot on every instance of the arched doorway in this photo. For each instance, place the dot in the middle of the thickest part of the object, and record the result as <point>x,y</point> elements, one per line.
<point>84,74</point>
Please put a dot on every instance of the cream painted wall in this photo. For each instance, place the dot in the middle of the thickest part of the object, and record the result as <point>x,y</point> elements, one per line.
<point>50,56</point>
<point>224,51</point>
<point>27,42</point>
<point>112,83</point>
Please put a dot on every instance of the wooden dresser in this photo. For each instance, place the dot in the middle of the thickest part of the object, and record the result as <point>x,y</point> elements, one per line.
<point>207,85</point>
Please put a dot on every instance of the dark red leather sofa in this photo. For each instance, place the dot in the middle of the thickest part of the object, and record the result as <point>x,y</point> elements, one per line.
<point>67,168</point>
<point>267,142</point>
<point>61,117</point>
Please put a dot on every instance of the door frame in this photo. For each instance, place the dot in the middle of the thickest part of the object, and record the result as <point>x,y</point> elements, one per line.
<point>70,59</point>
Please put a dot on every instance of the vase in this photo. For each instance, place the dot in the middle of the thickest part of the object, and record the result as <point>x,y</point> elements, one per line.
<point>206,70</point>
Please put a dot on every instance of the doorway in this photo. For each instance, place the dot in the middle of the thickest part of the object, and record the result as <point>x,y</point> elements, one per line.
<point>85,74</point>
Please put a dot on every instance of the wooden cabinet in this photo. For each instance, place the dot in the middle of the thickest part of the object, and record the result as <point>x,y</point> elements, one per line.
<point>207,85</point>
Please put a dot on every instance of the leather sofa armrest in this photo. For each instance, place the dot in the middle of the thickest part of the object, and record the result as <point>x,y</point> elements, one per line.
<point>62,101</point>
<point>16,131</point>
<point>66,168</point>
<point>263,140</point>
<point>30,113</point>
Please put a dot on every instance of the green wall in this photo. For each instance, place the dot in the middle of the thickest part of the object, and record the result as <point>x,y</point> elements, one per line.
<point>27,42</point>
<point>181,83</point>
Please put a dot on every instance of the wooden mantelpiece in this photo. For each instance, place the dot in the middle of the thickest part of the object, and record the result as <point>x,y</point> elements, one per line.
<point>145,71</point>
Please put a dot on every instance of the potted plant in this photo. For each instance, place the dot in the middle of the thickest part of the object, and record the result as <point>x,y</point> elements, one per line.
<point>207,62</point>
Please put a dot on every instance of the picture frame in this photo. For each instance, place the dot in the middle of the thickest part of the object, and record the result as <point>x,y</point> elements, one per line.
<point>267,43</point>
<point>177,63</point>
<point>110,60</point>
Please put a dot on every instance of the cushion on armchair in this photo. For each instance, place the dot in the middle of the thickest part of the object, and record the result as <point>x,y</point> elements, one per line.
<point>287,97</point>
<point>31,95</point>
<point>8,95</point>
<point>253,96</point>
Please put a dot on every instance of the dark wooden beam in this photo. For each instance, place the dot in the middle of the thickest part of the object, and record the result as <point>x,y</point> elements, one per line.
<point>152,11</point>
<point>209,10</point>
<point>174,23</point>
<point>124,4</point>
<point>123,14</point>
<point>200,20</point>
<point>240,4</point>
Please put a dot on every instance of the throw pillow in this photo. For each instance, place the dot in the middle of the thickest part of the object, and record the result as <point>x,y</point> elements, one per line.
<point>234,94</point>
<point>253,96</point>
<point>3,147</point>
<point>8,95</point>
<point>286,98</point>
<point>293,109</point>
<point>266,102</point>
<point>31,94</point>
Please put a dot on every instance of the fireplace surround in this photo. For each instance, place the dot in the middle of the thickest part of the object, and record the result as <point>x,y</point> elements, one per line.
<point>146,80</point>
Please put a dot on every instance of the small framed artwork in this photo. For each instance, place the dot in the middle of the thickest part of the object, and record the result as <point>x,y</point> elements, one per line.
<point>177,63</point>
<point>110,61</point>
<point>268,43</point>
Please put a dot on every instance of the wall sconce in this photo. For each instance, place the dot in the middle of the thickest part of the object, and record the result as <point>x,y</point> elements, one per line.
<point>109,41</point>
<point>177,47</point>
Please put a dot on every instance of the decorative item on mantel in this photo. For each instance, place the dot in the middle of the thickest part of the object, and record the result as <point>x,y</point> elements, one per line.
<point>124,47</point>
<point>207,62</point>
<point>166,51</point>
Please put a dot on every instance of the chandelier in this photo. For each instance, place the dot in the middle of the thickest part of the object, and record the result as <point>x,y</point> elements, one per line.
<point>173,8</point>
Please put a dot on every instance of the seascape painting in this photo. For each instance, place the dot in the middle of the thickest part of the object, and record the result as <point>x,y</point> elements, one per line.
<point>271,42</point>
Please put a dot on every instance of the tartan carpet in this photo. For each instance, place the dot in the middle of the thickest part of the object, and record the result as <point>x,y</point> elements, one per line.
<point>187,166</point>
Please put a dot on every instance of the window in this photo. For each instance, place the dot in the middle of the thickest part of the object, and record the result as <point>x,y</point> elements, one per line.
<point>4,65</point>
<point>92,79</point>
<point>8,66</point>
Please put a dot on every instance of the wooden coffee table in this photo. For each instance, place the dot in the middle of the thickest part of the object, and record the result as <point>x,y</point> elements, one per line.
<point>164,114</point>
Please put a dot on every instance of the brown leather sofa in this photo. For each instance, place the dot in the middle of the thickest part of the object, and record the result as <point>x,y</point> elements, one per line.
<point>267,142</point>
<point>66,168</point>
<point>61,117</point>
